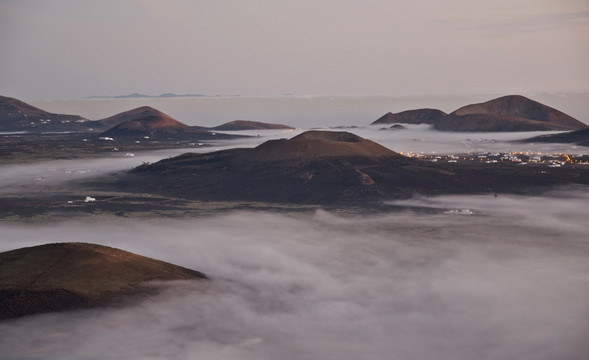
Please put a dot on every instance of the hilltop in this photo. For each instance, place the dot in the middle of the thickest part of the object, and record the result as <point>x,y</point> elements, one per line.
<point>418,116</point>
<point>16,115</point>
<point>137,113</point>
<point>148,122</point>
<point>318,144</point>
<point>63,276</point>
<point>507,113</point>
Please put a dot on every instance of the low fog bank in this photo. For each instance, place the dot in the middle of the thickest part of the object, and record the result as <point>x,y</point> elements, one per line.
<point>509,282</point>
<point>16,178</point>
<point>29,176</point>
<point>424,139</point>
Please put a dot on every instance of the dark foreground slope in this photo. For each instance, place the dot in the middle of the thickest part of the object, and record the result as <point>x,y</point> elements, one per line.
<point>319,167</point>
<point>65,276</point>
<point>506,113</point>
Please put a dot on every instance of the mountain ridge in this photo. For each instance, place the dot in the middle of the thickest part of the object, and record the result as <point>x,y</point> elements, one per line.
<point>506,113</point>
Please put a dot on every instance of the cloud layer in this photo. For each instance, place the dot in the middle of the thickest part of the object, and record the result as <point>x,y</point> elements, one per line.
<point>506,283</point>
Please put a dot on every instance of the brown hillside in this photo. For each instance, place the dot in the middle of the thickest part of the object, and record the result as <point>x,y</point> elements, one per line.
<point>146,121</point>
<point>12,107</point>
<point>152,124</point>
<point>514,108</point>
<point>16,115</point>
<point>419,116</point>
<point>63,276</point>
<point>134,114</point>
<point>318,144</point>
<point>507,113</point>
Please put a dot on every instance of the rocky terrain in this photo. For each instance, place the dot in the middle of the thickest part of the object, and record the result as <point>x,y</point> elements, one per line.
<point>64,276</point>
<point>320,167</point>
<point>507,113</point>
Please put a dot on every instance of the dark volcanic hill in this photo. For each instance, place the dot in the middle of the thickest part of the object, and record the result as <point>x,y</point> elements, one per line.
<point>137,113</point>
<point>318,144</point>
<point>419,116</point>
<point>238,125</point>
<point>579,137</point>
<point>16,115</point>
<point>322,167</point>
<point>507,113</point>
<point>154,124</point>
<point>65,276</point>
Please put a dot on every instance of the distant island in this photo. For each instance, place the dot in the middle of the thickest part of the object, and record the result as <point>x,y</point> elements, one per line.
<point>238,125</point>
<point>144,96</point>
<point>503,114</point>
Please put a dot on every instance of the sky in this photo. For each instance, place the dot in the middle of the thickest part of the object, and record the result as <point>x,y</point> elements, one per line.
<point>64,49</point>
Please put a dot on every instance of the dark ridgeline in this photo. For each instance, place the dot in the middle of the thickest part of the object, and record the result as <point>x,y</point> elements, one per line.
<point>579,137</point>
<point>507,113</point>
<point>418,116</point>
<point>65,276</point>
<point>135,124</point>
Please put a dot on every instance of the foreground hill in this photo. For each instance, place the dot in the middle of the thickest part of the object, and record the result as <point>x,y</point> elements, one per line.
<point>16,115</point>
<point>322,167</point>
<point>579,137</point>
<point>507,113</point>
<point>238,125</point>
<point>66,276</point>
<point>148,122</point>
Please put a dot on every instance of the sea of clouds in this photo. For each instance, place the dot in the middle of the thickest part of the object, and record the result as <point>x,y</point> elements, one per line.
<point>505,280</point>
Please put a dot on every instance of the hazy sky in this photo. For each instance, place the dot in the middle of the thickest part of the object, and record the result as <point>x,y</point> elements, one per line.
<point>76,48</point>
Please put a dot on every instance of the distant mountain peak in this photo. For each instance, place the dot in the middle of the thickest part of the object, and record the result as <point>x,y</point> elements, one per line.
<point>144,96</point>
<point>506,113</point>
